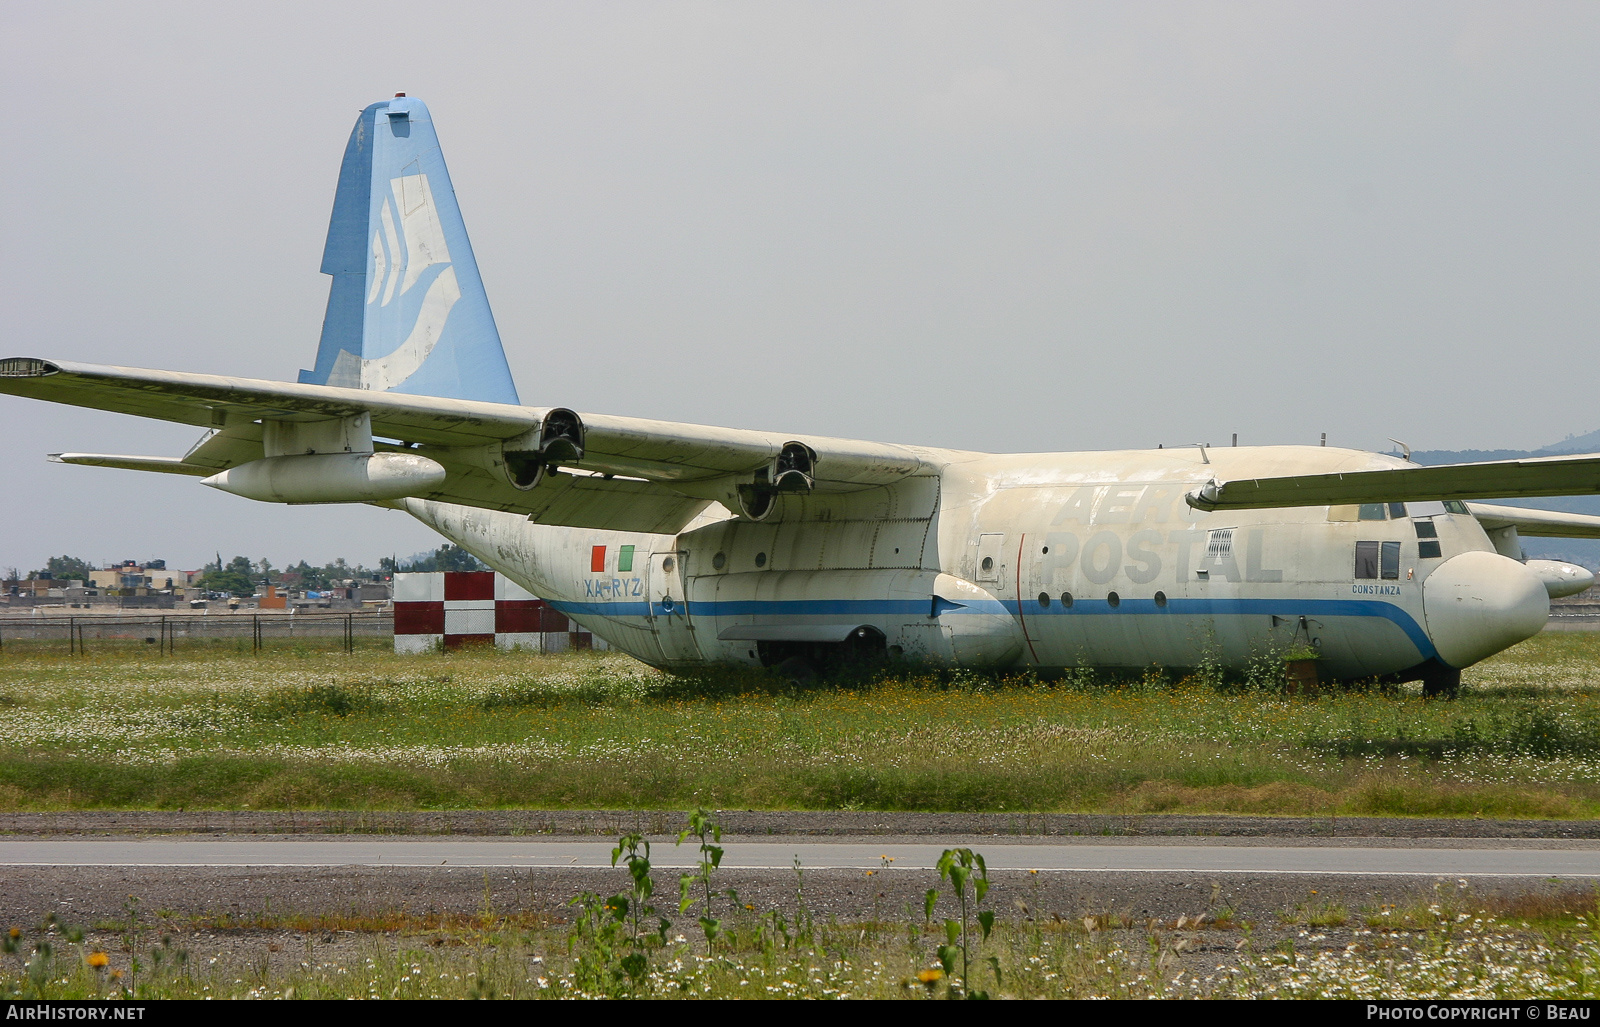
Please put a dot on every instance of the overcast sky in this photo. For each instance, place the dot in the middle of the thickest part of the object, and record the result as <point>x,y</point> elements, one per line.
<point>989,226</point>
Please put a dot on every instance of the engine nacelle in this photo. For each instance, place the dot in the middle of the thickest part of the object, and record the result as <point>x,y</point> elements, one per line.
<point>331,478</point>
<point>1561,579</point>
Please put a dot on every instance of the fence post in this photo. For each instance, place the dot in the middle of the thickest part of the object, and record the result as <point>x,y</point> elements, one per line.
<point>72,636</point>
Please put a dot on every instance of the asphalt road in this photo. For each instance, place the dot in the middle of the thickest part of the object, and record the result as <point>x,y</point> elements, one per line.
<point>1488,858</point>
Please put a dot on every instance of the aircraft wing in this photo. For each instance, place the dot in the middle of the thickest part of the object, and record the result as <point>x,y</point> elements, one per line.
<point>1537,476</point>
<point>217,401</point>
<point>1537,523</point>
<point>676,470</point>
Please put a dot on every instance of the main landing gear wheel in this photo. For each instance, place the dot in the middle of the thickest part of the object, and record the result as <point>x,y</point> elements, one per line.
<point>797,670</point>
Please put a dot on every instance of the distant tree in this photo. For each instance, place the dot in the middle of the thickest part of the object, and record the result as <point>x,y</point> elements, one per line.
<point>238,577</point>
<point>304,576</point>
<point>446,558</point>
<point>65,568</point>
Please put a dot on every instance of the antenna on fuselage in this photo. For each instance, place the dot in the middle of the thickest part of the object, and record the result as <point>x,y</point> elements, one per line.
<point>1203,457</point>
<point>1405,450</point>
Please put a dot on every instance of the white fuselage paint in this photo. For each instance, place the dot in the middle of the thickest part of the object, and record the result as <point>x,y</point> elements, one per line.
<point>1034,560</point>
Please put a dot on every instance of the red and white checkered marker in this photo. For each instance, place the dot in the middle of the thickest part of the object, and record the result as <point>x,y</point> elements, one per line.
<point>456,608</point>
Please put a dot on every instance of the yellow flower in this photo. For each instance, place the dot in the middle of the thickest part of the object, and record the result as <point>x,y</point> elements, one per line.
<point>16,932</point>
<point>931,975</point>
<point>116,975</point>
<point>98,960</point>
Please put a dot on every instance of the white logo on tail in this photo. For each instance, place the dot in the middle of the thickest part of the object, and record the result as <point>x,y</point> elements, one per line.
<point>400,259</point>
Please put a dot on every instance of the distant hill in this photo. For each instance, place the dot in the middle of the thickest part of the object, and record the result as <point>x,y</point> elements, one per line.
<point>1582,551</point>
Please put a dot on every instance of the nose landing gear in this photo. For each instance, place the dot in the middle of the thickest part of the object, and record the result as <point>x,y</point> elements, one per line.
<point>1441,682</point>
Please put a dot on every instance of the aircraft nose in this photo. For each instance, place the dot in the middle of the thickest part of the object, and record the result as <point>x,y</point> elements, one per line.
<point>1478,603</point>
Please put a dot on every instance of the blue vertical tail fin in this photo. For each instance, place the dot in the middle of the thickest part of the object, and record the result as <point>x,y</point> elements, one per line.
<point>406,311</point>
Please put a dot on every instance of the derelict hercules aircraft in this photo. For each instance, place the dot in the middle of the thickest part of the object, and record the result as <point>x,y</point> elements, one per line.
<point>687,545</point>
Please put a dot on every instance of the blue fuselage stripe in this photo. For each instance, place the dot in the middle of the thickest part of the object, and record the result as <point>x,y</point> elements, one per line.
<point>1286,608</point>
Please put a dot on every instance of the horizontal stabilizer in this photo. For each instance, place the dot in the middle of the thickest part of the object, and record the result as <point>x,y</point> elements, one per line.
<point>162,464</point>
<point>1539,476</point>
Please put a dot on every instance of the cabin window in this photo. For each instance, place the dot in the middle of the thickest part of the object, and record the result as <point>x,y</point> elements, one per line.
<point>1113,600</point>
<point>1161,599</point>
<point>1066,599</point>
<point>1373,512</point>
<point>1044,600</point>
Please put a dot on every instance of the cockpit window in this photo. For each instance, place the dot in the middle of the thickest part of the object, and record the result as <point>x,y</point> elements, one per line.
<point>1391,561</point>
<point>1455,506</point>
<point>1378,560</point>
<point>1374,512</point>
<point>1366,559</point>
<point>1397,510</point>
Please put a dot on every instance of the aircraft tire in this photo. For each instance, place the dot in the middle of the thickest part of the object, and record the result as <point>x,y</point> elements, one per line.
<point>797,670</point>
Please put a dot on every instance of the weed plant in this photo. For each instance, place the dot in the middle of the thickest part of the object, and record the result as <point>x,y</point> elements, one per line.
<point>1451,947</point>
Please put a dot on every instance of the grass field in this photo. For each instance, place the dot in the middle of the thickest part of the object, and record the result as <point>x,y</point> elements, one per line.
<point>297,727</point>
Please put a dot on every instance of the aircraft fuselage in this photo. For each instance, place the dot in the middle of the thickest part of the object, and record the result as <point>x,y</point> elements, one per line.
<point>1040,561</point>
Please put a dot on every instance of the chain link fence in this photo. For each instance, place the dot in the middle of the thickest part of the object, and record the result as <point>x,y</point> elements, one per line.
<point>172,633</point>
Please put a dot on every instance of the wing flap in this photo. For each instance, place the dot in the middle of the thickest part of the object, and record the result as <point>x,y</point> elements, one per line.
<point>1531,478</point>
